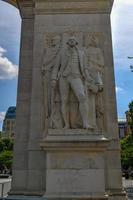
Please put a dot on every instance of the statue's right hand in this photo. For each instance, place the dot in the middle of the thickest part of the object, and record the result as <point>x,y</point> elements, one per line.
<point>53,83</point>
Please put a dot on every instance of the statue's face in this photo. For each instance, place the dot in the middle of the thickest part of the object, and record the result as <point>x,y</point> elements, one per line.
<point>72,42</point>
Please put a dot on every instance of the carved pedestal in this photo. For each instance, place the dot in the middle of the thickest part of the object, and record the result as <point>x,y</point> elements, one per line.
<point>75,165</point>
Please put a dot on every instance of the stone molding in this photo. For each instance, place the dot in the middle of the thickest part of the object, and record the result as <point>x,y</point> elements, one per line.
<point>78,197</point>
<point>71,7</point>
<point>73,141</point>
<point>39,7</point>
<point>26,8</point>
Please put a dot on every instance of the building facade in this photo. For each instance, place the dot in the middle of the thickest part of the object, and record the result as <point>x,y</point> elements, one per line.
<point>9,122</point>
<point>122,126</point>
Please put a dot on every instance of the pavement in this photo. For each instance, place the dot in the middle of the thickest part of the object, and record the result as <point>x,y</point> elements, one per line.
<point>5,185</point>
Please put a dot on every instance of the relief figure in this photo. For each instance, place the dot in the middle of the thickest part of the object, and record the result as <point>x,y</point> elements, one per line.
<point>48,68</point>
<point>72,74</point>
<point>70,85</point>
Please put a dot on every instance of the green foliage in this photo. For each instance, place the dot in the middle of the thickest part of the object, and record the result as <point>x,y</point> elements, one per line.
<point>6,159</point>
<point>131,115</point>
<point>1,145</point>
<point>127,142</point>
<point>6,153</point>
<point>6,144</point>
<point>127,151</point>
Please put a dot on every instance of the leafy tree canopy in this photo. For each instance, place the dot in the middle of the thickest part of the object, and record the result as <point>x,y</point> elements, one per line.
<point>6,159</point>
<point>6,144</point>
<point>6,153</point>
<point>127,142</point>
<point>127,151</point>
<point>131,115</point>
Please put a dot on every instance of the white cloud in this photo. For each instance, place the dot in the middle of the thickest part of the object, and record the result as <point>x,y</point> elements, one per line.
<point>127,2</point>
<point>2,115</point>
<point>122,32</point>
<point>119,90</point>
<point>2,51</point>
<point>8,70</point>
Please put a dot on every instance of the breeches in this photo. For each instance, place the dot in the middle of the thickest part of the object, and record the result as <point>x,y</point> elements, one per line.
<point>75,84</point>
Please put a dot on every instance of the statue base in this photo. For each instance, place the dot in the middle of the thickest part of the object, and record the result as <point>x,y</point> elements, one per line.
<point>75,165</point>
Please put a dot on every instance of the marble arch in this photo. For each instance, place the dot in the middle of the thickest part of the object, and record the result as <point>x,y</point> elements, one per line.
<point>74,163</point>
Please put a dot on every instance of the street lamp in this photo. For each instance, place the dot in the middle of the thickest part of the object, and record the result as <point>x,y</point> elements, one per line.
<point>131,66</point>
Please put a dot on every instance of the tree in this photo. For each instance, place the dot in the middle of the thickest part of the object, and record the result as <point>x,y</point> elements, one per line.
<point>127,151</point>
<point>130,112</point>
<point>6,159</point>
<point>8,144</point>
<point>6,153</point>
<point>127,142</point>
<point>1,145</point>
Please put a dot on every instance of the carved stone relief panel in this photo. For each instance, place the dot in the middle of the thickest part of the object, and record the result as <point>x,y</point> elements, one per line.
<point>73,69</point>
<point>93,43</point>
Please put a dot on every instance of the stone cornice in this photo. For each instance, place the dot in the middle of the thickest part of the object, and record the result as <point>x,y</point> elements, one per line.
<point>72,6</point>
<point>28,8</point>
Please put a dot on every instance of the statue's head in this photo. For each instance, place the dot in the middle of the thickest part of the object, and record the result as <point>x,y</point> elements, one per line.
<point>55,41</point>
<point>72,42</point>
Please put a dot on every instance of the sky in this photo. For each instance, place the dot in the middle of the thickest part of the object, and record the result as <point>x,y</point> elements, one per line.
<point>122,36</point>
